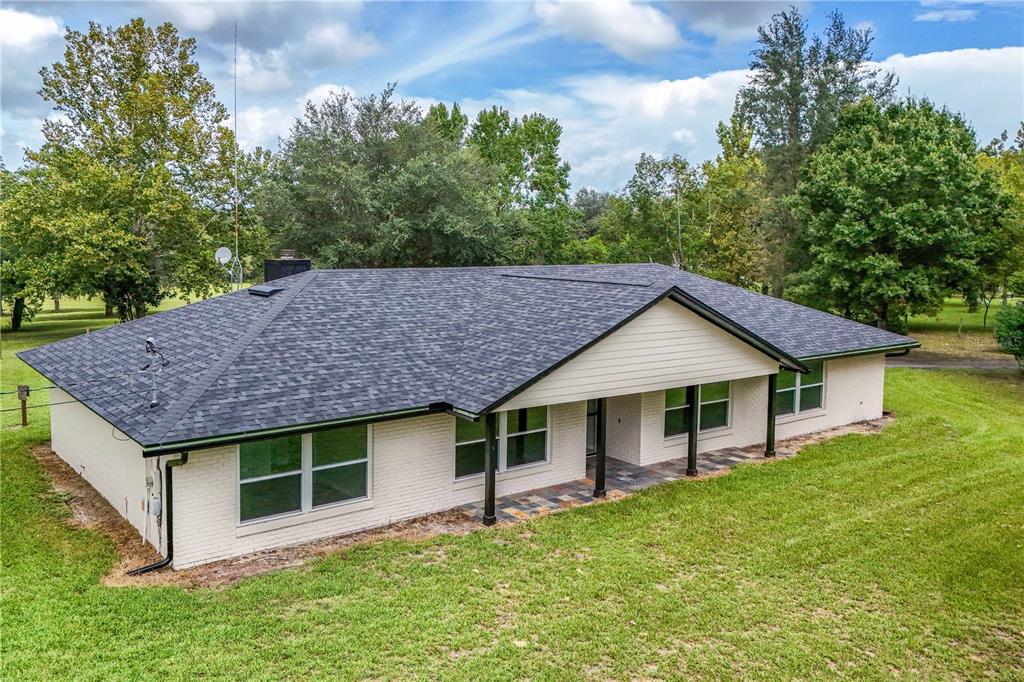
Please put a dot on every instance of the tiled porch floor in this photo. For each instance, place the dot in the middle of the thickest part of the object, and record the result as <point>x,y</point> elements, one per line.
<point>619,476</point>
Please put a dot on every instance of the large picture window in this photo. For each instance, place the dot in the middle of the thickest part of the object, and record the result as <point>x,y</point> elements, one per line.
<point>270,477</point>
<point>522,439</point>
<point>340,465</point>
<point>302,472</point>
<point>795,393</point>
<point>712,413</point>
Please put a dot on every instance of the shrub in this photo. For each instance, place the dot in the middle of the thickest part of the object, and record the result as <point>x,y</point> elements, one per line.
<point>1009,331</point>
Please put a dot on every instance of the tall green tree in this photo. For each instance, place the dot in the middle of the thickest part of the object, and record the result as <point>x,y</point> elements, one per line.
<point>896,211</point>
<point>16,290</point>
<point>655,217</point>
<point>370,182</point>
<point>797,87</point>
<point>1001,254</point>
<point>590,203</point>
<point>731,201</point>
<point>452,124</point>
<point>533,183</point>
<point>142,122</point>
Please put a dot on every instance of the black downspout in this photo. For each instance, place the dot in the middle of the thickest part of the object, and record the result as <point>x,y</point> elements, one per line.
<point>769,437</point>
<point>692,399</point>
<point>169,511</point>
<point>601,457</point>
<point>490,462</point>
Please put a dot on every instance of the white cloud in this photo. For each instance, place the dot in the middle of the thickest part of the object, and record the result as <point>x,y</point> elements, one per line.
<point>319,94</point>
<point>262,71</point>
<point>262,126</point>
<point>629,29</point>
<point>334,43</point>
<point>727,21</point>
<point>497,33</point>
<point>23,30</point>
<point>985,85</point>
<point>275,69</point>
<point>949,15</point>
<point>684,136</point>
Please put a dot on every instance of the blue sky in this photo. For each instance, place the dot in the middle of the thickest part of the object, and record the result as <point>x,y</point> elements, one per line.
<point>621,77</point>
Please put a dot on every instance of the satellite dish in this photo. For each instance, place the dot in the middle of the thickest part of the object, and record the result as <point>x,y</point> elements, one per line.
<point>223,255</point>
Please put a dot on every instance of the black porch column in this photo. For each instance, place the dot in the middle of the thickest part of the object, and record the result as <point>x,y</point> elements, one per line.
<point>599,458</point>
<point>769,438</point>
<point>490,436</point>
<point>691,438</point>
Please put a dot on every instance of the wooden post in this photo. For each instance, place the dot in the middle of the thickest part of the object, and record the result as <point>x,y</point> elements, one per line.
<point>23,392</point>
<point>691,439</point>
<point>490,433</point>
<point>600,457</point>
<point>769,439</point>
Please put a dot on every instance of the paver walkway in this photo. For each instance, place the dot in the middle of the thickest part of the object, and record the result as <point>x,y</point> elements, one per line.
<point>619,476</point>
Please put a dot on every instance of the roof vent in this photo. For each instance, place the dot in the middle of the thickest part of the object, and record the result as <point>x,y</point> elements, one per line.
<point>264,290</point>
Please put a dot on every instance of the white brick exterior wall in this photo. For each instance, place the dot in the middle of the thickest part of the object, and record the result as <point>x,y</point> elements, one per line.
<point>854,389</point>
<point>413,473</point>
<point>622,436</point>
<point>106,458</point>
<point>853,392</point>
<point>413,463</point>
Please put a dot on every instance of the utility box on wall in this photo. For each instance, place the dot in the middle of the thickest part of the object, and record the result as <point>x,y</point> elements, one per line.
<point>284,265</point>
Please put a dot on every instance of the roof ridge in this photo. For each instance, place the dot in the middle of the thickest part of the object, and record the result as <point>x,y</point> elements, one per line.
<point>566,278</point>
<point>191,396</point>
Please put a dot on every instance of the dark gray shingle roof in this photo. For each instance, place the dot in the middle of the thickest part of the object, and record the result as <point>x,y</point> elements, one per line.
<point>336,344</point>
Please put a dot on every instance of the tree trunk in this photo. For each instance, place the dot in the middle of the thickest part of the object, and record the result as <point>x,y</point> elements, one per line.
<point>108,309</point>
<point>140,310</point>
<point>17,314</point>
<point>56,303</point>
<point>882,315</point>
<point>984,318</point>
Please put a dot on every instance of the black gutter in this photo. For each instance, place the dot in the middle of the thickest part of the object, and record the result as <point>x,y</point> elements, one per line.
<point>901,348</point>
<point>169,511</point>
<point>263,434</point>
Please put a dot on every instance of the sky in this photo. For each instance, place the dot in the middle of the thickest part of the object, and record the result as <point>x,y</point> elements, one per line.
<point>621,77</point>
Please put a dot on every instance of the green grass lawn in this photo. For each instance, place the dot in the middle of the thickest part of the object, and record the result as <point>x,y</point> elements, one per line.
<point>871,556</point>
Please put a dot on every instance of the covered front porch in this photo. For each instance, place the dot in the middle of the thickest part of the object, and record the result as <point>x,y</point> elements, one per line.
<point>620,477</point>
<point>635,440</point>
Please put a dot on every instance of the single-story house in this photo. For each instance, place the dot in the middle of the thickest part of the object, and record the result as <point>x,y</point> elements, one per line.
<point>333,401</point>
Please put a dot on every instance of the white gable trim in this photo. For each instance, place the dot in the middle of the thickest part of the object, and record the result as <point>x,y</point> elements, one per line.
<point>664,347</point>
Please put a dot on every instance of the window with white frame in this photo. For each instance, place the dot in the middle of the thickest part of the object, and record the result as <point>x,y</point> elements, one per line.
<point>795,393</point>
<point>522,439</point>
<point>712,413</point>
<point>302,472</point>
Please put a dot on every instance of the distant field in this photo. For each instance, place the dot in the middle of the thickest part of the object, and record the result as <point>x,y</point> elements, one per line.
<point>955,331</point>
<point>76,316</point>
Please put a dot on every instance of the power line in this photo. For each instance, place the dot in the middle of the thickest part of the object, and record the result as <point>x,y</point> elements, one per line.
<point>88,381</point>
<point>66,402</point>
